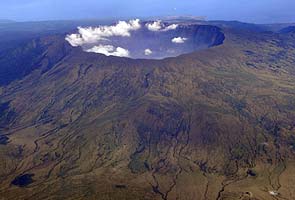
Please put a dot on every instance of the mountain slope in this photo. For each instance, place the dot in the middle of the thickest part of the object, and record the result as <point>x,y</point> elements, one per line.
<point>214,124</point>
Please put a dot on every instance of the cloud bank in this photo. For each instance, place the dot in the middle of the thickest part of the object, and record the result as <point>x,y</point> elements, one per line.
<point>93,35</point>
<point>178,40</point>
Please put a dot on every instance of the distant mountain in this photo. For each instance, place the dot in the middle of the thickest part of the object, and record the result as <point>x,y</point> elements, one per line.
<point>183,19</point>
<point>214,124</point>
<point>4,21</point>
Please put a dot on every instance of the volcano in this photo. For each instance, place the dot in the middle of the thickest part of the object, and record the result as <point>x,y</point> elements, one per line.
<point>214,121</point>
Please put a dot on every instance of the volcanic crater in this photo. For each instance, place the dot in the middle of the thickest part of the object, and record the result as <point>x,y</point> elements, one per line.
<point>147,40</point>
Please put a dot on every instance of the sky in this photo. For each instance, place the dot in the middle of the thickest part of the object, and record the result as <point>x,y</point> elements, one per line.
<point>257,11</point>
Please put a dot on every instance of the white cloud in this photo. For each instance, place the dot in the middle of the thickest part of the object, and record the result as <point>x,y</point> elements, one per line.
<point>171,27</point>
<point>155,26</point>
<point>148,52</point>
<point>159,26</point>
<point>179,40</point>
<point>109,50</point>
<point>93,35</point>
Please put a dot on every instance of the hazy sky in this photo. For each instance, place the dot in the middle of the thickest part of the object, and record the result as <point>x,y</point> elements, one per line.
<point>259,11</point>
